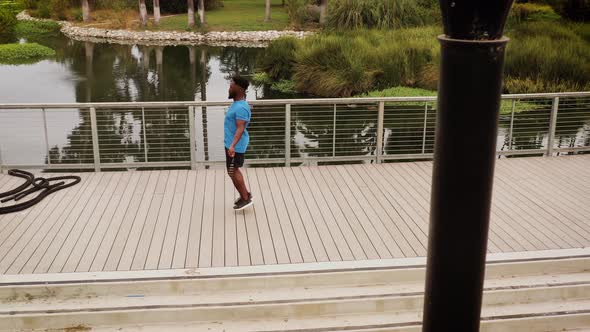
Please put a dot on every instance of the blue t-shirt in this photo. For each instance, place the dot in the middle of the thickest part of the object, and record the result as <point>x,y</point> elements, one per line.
<point>239,110</point>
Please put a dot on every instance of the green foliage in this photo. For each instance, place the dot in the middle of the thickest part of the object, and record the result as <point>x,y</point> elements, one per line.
<point>575,10</point>
<point>536,85</point>
<point>43,9</point>
<point>279,58</point>
<point>284,86</point>
<point>547,56</point>
<point>76,14</point>
<point>58,9</point>
<point>7,24</point>
<point>24,53</point>
<point>350,63</point>
<point>297,11</point>
<point>29,4</point>
<point>581,29</point>
<point>261,79</point>
<point>11,5</point>
<point>26,28</point>
<point>380,14</point>
<point>523,12</point>
<point>401,91</point>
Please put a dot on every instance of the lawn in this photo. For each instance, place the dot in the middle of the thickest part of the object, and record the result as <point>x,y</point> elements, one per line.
<point>236,15</point>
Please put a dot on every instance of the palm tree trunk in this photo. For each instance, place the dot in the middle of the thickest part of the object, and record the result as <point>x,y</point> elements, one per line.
<point>267,17</point>
<point>191,13</point>
<point>143,13</point>
<point>85,11</point>
<point>157,12</point>
<point>323,11</point>
<point>202,12</point>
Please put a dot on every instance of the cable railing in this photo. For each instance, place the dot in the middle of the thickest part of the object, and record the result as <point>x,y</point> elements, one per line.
<point>101,136</point>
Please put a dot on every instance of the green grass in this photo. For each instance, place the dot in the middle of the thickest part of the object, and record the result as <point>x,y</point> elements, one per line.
<point>24,28</point>
<point>24,53</point>
<point>236,15</point>
<point>402,91</point>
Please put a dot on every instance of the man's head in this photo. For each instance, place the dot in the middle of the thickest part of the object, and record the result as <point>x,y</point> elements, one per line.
<point>238,87</point>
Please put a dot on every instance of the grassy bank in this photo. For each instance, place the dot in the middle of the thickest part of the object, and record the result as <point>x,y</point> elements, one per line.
<point>236,15</point>
<point>24,53</point>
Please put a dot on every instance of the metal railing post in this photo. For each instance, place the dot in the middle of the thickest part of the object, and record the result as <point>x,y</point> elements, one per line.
<point>510,133</point>
<point>288,135</point>
<point>552,125</point>
<point>95,146</point>
<point>425,124</point>
<point>192,136</point>
<point>46,136</point>
<point>334,134</point>
<point>380,119</point>
<point>145,148</point>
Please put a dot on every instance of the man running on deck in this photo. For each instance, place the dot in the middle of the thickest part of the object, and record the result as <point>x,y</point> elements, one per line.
<point>236,138</point>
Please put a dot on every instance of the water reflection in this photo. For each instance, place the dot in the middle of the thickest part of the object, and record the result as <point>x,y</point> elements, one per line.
<point>88,72</point>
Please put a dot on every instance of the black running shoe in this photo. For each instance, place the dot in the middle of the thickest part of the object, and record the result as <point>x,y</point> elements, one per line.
<point>250,197</point>
<point>242,204</point>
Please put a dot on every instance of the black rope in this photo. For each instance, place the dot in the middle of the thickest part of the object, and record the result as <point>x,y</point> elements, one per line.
<point>46,186</point>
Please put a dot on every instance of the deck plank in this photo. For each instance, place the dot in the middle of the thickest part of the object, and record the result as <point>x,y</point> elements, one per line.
<point>127,238</point>
<point>112,214</point>
<point>110,197</point>
<point>206,242</point>
<point>184,219</point>
<point>170,236</point>
<point>38,228</point>
<point>37,248</point>
<point>157,240</point>
<point>308,238</point>
<point>71,242</point>
<point>372,245</point>
<point>194,231</point>
<point>186,214</point>
<point>136,260</point>
<point>272,242</point>
<point>230,224</point>
<point>248,225</point>
<point>59,245</point>
<point>275,204</point>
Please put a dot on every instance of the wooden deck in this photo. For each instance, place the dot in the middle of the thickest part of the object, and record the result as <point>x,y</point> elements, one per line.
<point>179,219</point>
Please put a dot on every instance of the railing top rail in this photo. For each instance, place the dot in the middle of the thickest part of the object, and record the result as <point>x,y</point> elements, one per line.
<point>318,101</point>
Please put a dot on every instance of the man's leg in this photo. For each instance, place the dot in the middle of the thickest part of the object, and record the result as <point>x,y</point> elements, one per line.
<point>238,179</point>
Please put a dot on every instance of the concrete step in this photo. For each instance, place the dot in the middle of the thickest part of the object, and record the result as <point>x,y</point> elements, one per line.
<point>379,298</point>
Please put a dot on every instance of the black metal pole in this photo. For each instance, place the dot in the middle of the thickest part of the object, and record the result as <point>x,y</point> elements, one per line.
<point>472,59</point>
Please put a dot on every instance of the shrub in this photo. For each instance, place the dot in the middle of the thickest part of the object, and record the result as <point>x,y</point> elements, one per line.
<point>7,23</point>
<point>297,11</point>
<point>58,9</point>
<point>346,64</point>
<point>76,14</point>
<point>43,10</point>
<point>279,58</point>
<point>29,4</point>
<point>522,12</point>
<point>24,28</point>
<point>549,54</point>
<point>381,14</point>
<point>581,29</point>
<point>536,85</point>
<point>576,10</point>
<point>24,53</point>
<point>284,86</point>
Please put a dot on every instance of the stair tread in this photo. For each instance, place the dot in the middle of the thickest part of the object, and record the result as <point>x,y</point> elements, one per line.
<point>410,318</point>
<point>279,295</point>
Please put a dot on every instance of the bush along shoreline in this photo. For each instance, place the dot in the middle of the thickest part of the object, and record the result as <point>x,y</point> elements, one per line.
<point>141,37</point>
<point>376,49</point>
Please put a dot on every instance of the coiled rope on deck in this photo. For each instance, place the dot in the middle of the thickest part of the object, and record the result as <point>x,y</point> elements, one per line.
<point>45,187</point>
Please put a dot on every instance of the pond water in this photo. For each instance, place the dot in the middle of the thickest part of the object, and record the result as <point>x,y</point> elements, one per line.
<point>102,72</point>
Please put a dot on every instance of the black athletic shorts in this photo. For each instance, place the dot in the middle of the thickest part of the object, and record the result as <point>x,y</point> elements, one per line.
<point>236,162</point>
